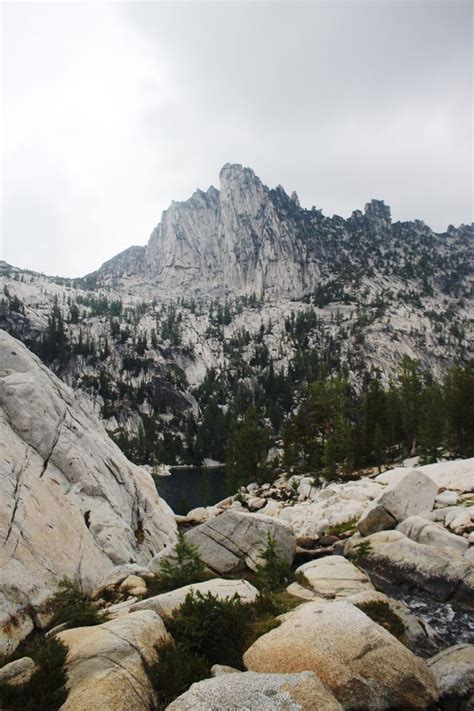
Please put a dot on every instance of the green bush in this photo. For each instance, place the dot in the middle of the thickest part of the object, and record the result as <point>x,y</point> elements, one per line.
<point>339,528</point>
<point>273,570</point>
<point>74,607</point>
<point>182,568</point>
<point>380,612</point>
<point>361,550</point>
<point>45,691</point>
<point>175,670</point>
<point>215,629</point>
<point>209,631</point>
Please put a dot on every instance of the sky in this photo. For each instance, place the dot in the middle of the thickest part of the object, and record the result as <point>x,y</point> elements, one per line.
<point>111,110</point>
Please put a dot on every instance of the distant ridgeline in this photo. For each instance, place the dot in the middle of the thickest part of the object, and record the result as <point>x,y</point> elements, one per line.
<point>253,331</point>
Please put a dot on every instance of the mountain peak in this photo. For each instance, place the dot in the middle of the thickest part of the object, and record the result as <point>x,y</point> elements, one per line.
<point>234,173</point>
<point>378,215</point>
<point>378,209</point>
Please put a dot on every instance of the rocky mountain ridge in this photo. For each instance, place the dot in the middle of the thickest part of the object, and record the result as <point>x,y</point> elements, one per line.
<point>239,284</point>
<point>247,238</point>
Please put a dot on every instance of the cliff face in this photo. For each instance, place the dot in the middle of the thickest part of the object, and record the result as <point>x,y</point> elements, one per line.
<point>236,238</point>
<point>248,238</point>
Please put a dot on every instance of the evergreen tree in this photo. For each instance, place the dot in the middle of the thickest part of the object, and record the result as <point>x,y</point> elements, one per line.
<point>247,449</point>
<point>410,387</point>
<point>459,395</point>
<point>432,423</point>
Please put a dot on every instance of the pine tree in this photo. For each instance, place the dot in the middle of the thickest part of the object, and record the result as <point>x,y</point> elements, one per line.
<point>432,423</point>
<point>459,395</point>
<point>247,449</point>
<point>410,391</point>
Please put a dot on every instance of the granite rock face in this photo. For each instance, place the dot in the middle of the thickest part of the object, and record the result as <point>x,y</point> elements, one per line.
<point>265,692</point>
<point>71,504</point>
<point>233,541</point>
<point>453,669</point>
<point>248,238</point>
<point>369,670</point>
<point>413,494</point>
<point>442,572</point>
<point>242,235</point>
<point>107,664</point>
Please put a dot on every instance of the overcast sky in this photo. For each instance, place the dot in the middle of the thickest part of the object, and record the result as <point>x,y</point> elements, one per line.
<point>112,110</point>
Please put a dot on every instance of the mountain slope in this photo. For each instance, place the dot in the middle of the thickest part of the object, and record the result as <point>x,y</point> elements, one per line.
<point>238,285</point>
<point>247,238</point>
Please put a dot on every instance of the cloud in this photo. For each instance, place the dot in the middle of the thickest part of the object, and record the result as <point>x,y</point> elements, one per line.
<point>111,110</point>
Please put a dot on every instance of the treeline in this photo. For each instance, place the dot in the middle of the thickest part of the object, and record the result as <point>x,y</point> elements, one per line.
<point>336,430</point>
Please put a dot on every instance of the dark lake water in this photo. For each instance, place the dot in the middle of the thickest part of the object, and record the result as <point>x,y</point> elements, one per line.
<point>190,487</point>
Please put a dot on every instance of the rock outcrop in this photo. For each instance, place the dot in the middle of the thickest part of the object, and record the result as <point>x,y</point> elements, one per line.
<point>248,238</point>
<point>166,603</point>
<point>265,692</point>
<point>331,577</point>
<point>416,635</point>
<point>233,541</point>
<point>456,475</point>
<point>413,494</point>
<point>453,669</point>
<point>71,504</point>
<point>432,534</point>
<point>107,665</point>
<point>442,572</point>
<point>370,670</point>
<point>196,246</point>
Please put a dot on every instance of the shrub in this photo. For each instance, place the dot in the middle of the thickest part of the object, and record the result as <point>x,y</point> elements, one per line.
<point>45,691</point>
<point>274,569</point>
<point>339,528</point>
<point>175,670</point>
<point>215,629</point>
<point>362,550</point>
<point>266,608</point>
<point>74,607</point>
<point>209,631</point>
<point>302,580</point>
<point>182,568</point>
<point>380,612</point>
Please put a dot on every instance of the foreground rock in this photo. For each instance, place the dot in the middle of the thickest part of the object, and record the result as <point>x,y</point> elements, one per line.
<point>453,669</point>
<point>414,634</point>
<point>71,504</point>
<point>364,665</point>
<point>331,577</point>
<point>431,534</point>
<point>106,664</point>
<point>19,671</point>
<point>233,541</point>
<point>413,494</point>
<point>166,603</point>
<point>442,572</point>
<point>262,692</point>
